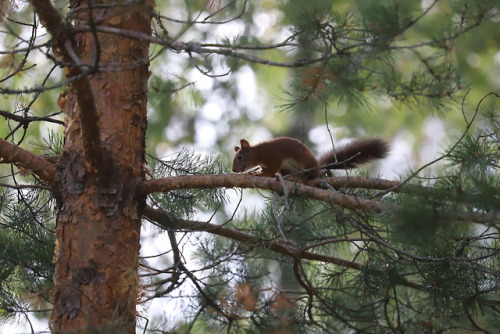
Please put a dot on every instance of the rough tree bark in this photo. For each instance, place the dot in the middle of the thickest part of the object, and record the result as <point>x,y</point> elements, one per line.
<point>98,224</point>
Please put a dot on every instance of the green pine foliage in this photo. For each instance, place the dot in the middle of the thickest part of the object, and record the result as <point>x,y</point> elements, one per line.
<point>429,264</point>
<point>27,241</point>
<point>353,58</point>
<point>26,250</point>
<point>183,204</point>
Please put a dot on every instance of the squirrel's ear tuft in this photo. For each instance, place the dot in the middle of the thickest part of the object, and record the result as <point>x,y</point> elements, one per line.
<point>236,148</point>
<point>244,143</point>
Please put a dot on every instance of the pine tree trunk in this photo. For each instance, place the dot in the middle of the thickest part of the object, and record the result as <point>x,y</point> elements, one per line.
<point>98,224</point>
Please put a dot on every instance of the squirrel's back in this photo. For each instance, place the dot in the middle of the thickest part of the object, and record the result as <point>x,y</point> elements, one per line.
<point>284,155</point>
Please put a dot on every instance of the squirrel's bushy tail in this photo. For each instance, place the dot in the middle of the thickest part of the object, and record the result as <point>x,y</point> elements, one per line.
<point>355,153</point>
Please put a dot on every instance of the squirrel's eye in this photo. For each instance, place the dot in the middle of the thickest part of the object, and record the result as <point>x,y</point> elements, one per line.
<point>240,157</point>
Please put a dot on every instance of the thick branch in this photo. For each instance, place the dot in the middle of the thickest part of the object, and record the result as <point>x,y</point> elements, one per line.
<point>85,98</point>
<point>23,159</point>
<point>490,218</point>
<point>249,181</point>
<point>312,192</point>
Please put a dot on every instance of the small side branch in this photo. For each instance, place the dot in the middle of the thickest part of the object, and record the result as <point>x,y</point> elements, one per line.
<point>89,120</point>
<point>28,119</point>
<point>10,153</point>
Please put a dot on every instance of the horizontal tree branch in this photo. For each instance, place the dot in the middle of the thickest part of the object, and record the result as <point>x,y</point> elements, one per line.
<point>312,190</point>
<point>282,247</point>
<point>193,47</point>
<point>29,119</point>
<point>276,246</point>
<point>61,33</point>
<point>490,218</point>
<point>231,50</point>
<point>362,182</point>
<point>10,153</point>
<point>250,181</point>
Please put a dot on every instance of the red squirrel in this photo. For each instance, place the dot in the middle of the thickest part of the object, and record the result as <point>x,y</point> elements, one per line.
<point>287,155</point>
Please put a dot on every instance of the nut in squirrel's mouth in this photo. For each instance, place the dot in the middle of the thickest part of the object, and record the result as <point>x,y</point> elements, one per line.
<point>253,170</point>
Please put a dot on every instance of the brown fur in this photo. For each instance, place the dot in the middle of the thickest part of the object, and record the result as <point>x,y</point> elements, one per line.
<point>355,153</point>
<point>284,155</point>
<point>287,155</point>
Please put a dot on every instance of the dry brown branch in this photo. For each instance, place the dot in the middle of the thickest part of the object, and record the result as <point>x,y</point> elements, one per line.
<point>11,153</point>
<point>28,119</point>
<point>198,48</point>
